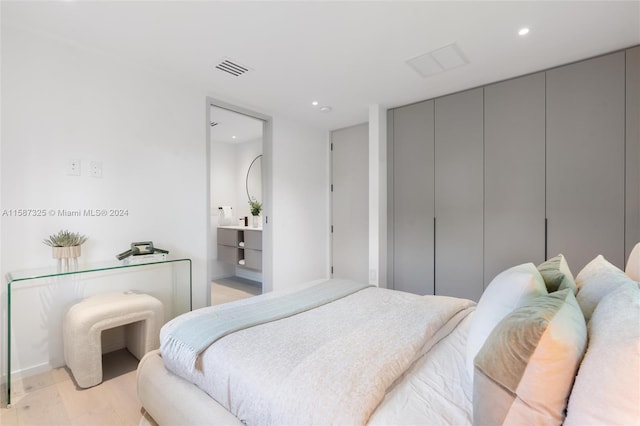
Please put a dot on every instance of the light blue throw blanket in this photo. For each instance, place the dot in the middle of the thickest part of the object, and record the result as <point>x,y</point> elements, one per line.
<point>194,335</point>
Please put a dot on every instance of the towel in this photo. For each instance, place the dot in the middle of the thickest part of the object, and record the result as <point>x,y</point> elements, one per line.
<point>225,215</point>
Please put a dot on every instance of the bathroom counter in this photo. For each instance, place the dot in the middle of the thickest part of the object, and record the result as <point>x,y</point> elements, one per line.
<point>240,228</point>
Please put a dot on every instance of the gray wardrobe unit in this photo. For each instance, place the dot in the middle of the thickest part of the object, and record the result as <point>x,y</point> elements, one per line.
<point>512,172</point>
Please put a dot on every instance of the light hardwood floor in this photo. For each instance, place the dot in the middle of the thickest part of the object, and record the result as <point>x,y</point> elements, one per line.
<point>225,290</point>
<point>53,399</point>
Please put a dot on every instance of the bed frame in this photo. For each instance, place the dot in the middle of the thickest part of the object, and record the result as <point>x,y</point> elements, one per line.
<point>184,404</point>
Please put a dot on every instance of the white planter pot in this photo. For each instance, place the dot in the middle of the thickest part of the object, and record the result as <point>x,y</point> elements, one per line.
<point>67,257</point>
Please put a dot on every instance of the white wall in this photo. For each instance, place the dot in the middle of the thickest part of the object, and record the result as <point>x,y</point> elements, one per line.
<point>61,101</point>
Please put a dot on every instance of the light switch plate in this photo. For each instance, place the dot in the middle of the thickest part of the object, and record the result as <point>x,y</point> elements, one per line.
<point>73,167</point>
<point>95,168</point>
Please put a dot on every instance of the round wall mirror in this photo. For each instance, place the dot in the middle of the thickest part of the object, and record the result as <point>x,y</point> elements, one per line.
<point>254,179</point>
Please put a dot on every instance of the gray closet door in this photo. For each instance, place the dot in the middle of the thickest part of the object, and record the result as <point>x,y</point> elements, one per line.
<point>514,118</point>
<point>632,215</point>
<point>459,194</point>
<point>350,203</point>
<point>585,160</point>
<point>412,183</point>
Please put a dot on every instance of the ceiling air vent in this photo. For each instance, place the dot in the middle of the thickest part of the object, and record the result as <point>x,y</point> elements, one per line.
<point>439,60</point>
<point>232,67</point>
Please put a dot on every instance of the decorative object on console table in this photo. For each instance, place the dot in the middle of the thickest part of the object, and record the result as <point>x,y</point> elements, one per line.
<point>144,258</point>
<point>142,252</point>
<point>66,249</point>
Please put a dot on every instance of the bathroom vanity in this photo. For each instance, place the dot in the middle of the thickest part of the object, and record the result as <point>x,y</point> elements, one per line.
<point>241,246</point>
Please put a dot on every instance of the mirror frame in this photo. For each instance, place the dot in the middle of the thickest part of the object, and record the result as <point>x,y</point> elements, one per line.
<point>246,181</point>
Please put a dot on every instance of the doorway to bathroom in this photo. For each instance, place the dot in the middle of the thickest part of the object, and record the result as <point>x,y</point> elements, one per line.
<point>239,237</point>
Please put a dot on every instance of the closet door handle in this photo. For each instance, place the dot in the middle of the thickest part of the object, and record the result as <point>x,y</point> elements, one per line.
<point>546,236</point>
<point>434,255</point>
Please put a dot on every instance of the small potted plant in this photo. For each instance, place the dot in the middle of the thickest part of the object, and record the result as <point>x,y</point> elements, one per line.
<point>256,208</point>
<point>66,246</point>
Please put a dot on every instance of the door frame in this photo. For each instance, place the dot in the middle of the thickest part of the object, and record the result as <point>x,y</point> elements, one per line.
<point>267,191</point>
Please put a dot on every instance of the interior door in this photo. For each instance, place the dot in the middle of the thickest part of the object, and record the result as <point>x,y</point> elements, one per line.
<point>350,202</point>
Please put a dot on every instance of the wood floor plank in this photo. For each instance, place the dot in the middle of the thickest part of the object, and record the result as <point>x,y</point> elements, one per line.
<point>41,407</point>
<point>81,402</point>
<point>225,290</point>
<point>121,394</point>
<point>106,416</point>
<point>8,417</point>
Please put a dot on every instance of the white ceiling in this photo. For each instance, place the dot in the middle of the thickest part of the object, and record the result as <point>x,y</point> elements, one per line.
<point>348,55</point>
<point>232,127</point>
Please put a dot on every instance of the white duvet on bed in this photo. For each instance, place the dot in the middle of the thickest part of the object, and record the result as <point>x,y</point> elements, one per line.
<point>332,364</point>
<point>436,390</point>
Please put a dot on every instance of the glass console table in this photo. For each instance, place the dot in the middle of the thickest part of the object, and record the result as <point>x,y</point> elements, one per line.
<point>37,301</point>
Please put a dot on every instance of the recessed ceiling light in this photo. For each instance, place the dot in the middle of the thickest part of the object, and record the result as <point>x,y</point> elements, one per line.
<point>523,31</point>
<point>314,103</point>
<point>233,137</point>
<point>325,108</point>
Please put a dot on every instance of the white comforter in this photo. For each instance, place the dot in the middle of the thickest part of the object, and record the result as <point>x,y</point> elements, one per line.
<point>333,364</point>
<point>436,390</point>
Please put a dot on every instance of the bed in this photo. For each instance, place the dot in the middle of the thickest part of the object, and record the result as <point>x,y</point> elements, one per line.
<point>528,352</point>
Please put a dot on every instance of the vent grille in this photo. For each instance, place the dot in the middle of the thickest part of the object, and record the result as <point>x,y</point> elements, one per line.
<point>437,61</point>
<point>232,67</point>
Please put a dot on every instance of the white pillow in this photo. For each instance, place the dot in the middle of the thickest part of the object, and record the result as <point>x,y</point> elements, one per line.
<point>509,290</point>
<point>595,281</point>
<point>525,370</point>
<point>607,387</point>
<point>557,275</point>
<point>633,264</point>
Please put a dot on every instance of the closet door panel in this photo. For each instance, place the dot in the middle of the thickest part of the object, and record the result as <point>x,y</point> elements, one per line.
<point>514,119</point>
<point>585,160</point>
<point>459,194</point>
<point>632,215</point>
<point>413,198</point>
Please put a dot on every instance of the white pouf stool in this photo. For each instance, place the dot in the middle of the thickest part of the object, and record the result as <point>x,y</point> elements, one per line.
<point>84,322</point>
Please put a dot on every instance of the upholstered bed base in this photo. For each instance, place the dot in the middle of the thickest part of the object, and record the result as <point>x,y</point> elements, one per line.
<point>170,400</point>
